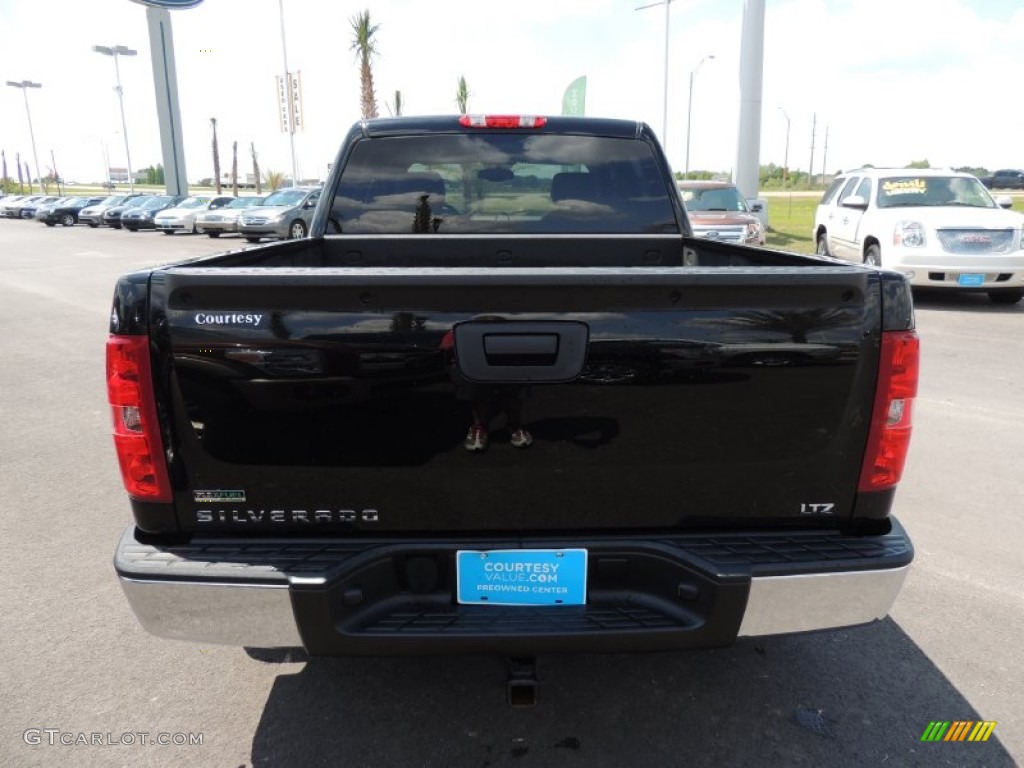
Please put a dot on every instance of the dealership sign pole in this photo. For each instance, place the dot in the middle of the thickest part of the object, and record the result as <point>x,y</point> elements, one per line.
<point>165,79</point>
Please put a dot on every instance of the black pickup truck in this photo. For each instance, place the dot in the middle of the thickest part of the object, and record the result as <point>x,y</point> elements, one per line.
<point>1004,179</point>
<point>502,401</point>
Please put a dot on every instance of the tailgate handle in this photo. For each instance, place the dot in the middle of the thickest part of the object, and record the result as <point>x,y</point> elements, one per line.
<point>526,351</point>
<point>521,348</point>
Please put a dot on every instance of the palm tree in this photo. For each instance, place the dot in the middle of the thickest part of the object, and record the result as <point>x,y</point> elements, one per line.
<point>216,155</point>
<point>365,47</point>
<point>234,168</point>
<point>255,168</point>
<point>462,95</point>
<point>275,179</point>
<point>462,101</point>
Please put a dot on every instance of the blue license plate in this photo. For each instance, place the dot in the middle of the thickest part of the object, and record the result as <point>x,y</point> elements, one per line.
<point>970,279</point>
<point>522,577</point>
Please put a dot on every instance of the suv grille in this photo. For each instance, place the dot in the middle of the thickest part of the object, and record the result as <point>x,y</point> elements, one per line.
<point>729,233</point>
<point>976,242</point>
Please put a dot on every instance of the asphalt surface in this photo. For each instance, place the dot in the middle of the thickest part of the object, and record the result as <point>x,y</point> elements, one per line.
<point>75,662</point>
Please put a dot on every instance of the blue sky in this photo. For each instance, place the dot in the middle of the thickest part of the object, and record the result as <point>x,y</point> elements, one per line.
<point>891,80</point>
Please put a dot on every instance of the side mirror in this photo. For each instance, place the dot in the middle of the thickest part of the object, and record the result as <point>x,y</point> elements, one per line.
<point>309,204</point>
<point>855,201</point>
<point>1004,201</point>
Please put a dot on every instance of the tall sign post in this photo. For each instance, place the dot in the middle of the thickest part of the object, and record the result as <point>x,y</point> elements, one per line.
<point>748,148</point>
<point>286,91</point>
<point>165,81</point>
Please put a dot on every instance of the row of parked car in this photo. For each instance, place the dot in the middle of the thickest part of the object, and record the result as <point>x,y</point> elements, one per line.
<point>285,213</point>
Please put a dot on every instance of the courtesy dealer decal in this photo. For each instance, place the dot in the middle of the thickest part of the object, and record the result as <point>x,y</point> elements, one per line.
<point>228,318</point>
<point>905,187</point>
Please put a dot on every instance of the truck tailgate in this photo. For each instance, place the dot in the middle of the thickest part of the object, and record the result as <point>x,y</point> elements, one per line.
<point>338,400</point>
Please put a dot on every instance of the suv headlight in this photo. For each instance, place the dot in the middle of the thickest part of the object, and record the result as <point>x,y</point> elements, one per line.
<point>909,234</point>
<point>753,232</point>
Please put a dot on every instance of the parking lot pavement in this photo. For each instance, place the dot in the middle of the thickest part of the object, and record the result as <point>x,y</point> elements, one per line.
<point>76,663</point>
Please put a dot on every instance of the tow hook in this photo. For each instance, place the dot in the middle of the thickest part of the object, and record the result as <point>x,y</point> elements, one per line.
<point>522,685</point>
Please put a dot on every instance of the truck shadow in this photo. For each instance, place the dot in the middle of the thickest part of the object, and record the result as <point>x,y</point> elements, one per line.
<point>849,698</point>
<point>938,300</point>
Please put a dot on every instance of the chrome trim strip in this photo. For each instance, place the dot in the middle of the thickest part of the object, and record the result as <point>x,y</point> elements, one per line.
<point>257,615</point>
<point>783,604</point>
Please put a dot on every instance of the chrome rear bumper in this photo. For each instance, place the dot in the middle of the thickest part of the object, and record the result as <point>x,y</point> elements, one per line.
<point>351,597</point>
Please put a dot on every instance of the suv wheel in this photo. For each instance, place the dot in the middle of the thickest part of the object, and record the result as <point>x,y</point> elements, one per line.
<point>873,256</point>
<point>822,247</point>
<point>67,220</point>
<point>1010,296</point>
<point>297,230</point>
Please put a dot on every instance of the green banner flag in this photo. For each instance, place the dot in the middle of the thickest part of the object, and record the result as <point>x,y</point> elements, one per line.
<point>574,102</point>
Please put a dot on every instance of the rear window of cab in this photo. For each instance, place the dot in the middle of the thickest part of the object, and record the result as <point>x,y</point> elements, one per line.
<point>502,182</point>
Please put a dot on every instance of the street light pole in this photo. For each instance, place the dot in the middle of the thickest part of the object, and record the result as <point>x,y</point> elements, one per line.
<point>689,113</point>
<point>115,51</point>
<point>785,161</point>
<point>24,85</point>
<point>664,97</point>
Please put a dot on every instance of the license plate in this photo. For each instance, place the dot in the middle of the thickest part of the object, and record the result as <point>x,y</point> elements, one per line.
<point>971,279</point>
<point>521,577</point>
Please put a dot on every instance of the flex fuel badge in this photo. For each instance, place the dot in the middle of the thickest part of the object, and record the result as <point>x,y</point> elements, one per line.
<point>218,496</point>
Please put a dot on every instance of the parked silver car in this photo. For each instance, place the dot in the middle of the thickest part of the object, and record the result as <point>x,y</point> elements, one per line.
<point>93,214</point>
<point>11,208</point>
<point>214,223</point>
<point>182,217</point>
<point>286,213</point>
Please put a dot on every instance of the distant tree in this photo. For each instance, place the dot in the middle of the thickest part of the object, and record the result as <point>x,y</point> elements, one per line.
<point>919,164</point>
<point>702,175</point>
<point>973,171</point>
<point>462,95</point>
<point>154,174</point>
<point>274,179</point>
<point>772,175</point>
<point>234,168</point>
<point>365,47</point>
<point>216,155</point>
<point>255,168</point>
<point>51,178</point>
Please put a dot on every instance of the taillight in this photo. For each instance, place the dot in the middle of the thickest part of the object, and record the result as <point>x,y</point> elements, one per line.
<point>892,416</point>
<point>136,431</point>
<point>502,121</point>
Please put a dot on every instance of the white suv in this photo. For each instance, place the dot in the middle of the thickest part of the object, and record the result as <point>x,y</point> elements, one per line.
<point>939,228</point>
